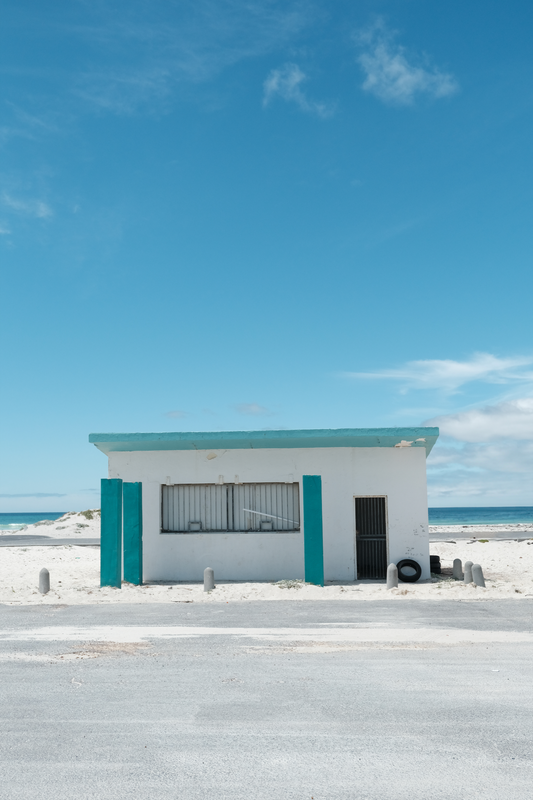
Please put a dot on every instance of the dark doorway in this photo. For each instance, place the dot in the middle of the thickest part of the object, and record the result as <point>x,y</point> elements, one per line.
<point>371,537</point>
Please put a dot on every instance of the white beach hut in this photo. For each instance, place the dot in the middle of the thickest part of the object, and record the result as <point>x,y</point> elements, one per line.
<point>320,505</point>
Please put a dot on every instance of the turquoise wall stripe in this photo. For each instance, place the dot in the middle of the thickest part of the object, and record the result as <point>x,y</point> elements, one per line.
<point>133,533</point>
<point>244,440</point>
<point>111,533</point>
<point>313,535</point>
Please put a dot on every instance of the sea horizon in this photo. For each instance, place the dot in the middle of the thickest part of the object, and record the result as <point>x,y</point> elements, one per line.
<point>13,520</point>
<point>481,515</point>
<point>460,515</point>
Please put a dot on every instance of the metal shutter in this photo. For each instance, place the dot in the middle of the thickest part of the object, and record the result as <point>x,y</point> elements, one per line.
<point>249,507</point>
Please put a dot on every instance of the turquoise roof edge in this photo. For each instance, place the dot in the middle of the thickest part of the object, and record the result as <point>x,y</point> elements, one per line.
<point>243,440</point>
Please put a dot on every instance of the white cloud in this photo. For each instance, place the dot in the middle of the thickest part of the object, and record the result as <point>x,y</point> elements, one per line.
<point>176,414</point>
<point>479,474</point>
<point>449,375</point>
<point>485,455</point>
<point>511,419</point>
<point>390,75</point>
<point>30,208</point>
<point>286,82</point>
<point>252,409</point>
<point>501,457</point>
<point>4,229</point>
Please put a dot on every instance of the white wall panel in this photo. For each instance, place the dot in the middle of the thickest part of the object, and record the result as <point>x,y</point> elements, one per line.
<point>399,474</point>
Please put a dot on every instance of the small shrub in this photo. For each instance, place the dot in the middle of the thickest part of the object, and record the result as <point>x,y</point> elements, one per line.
<point>289,584</point>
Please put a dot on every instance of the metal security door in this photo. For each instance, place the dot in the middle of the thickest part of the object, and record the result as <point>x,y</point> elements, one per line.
<point>371,537</point>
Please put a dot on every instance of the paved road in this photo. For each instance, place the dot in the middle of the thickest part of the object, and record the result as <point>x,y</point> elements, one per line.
<point>20,540</point>
<point>229,715</point>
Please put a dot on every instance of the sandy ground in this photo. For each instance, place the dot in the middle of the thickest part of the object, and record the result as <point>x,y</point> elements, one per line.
<point>476,531</point>
<point>75,579</point>
<point>75,571</point>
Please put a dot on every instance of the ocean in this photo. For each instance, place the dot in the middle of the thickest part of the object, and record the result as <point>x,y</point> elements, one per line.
<point>505,515</point>
<point>14,521</point>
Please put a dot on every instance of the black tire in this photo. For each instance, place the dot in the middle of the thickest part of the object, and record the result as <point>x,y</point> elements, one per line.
<point>409,564</point>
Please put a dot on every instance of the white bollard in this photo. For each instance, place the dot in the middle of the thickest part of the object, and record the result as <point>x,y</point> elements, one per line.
<point>477,575</point>
<point>209,579</point>
<point>392,576</point>
<point>468,572</point>
<point>458,569</point>
<point>44,581</point>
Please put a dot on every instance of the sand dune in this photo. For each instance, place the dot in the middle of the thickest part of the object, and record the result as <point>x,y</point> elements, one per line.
<point>74,524</point>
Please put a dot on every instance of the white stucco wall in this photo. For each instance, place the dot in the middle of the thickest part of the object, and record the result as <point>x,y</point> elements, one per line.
<point>399,474</point>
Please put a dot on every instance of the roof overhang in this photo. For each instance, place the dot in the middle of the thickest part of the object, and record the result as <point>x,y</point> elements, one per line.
<point>260,440</point>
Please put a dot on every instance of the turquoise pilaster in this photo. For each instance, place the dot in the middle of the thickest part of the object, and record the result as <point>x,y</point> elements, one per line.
<point>133,533</point>
<point>313,535</point>
<point>111,533</point>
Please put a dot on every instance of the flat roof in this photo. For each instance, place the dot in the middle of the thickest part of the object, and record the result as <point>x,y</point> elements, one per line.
<point>258,440</point>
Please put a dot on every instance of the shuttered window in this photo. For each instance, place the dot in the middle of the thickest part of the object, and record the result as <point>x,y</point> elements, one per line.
<point>245,508</point>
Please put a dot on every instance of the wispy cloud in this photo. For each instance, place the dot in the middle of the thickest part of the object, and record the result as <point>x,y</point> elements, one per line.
<point>35,494</point>
<point>122,91</point>
<point>391,75</point>
<point>449,376</point>
<point>29,208</point>
<point>8,132</point>
<point>195,44</point>
<point>176,414</point>
<point>4,229</point>
<point>286,82</point>
<point>252,409</point>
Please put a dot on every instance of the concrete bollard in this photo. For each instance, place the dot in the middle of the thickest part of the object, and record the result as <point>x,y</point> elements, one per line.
<point>477,575</point>
<point>468,572</point>
<point>392,576</point>
<point>458,569</point>
<point>44,581</point>
<point>209,579</point>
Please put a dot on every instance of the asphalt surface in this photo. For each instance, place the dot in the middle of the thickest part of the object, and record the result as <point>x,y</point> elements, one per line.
<point>233,716</point>
<point>14,540</point>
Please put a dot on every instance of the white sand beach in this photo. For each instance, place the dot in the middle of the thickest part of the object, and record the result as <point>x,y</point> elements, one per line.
<point>75,577</point>
<point>515,530</point>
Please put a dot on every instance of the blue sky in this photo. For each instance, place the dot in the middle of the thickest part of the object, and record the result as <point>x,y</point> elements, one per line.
<point>244,215</point>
